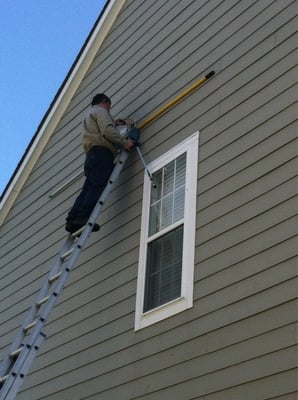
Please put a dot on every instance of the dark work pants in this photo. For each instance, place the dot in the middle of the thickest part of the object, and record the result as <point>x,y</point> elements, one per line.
<point>98,168</point>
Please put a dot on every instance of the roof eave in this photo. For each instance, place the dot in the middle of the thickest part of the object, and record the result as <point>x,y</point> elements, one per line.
<point>59,105</point>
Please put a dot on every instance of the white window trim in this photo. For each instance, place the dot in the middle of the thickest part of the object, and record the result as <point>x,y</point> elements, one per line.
<point>191,147</point>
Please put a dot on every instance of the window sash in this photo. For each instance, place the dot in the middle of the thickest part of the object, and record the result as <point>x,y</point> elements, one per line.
<point>164,269</point>
<point>168,197</point>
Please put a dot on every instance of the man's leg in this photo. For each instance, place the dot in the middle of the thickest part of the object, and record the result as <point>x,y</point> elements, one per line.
<point>98,168</point>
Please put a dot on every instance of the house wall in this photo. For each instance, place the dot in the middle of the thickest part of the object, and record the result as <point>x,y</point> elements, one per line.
<point>239,341</point>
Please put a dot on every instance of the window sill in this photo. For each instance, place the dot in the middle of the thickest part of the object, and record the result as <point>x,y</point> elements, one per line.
<point>162,312</point>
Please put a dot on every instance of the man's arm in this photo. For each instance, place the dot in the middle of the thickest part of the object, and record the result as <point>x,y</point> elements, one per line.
<point>107,127</point>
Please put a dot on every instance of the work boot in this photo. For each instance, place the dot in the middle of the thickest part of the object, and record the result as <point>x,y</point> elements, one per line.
<point>95,228</point>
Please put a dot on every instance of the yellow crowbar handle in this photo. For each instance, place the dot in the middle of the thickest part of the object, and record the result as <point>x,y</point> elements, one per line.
<point>175,100</point>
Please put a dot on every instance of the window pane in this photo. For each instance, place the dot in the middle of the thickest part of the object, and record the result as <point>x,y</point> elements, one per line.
<point>179,204</point>
<point>164,265</point>
<point>166,211</point>
<point>180,170</point>
<point>154,222</point>
<point>167,199</point>
<point>179,195</point>
<point>170,283</point>
<point>168,183</point>
<point>156,191</point>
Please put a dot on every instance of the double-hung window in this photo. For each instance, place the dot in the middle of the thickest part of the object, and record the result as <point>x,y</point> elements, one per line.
<point>166,262</point>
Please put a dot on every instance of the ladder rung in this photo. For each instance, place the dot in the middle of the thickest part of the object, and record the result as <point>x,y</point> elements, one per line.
<point>15,353</point>
<point>54,277</point>
<point>3,379</point>
<point>67,254</point>
<point>30,326</point>
<point>78,232</point>
<point>42,301</point>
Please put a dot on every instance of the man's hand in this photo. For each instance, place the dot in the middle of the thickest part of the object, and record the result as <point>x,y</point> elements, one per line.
<point>129,146</point>
<point>120,122</point>
<point>125,121</point>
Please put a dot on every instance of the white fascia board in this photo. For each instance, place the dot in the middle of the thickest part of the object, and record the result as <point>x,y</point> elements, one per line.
<point>100,32</point>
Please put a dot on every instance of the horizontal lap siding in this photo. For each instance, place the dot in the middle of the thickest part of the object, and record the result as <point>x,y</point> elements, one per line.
<point>238,341</point>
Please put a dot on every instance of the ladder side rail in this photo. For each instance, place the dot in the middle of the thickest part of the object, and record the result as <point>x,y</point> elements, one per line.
<point>28,350</point>
<point>25,369</point>
<point>28,353</point>
<point>14,382</point>
<point>18,340</point>
<point>10,366</point>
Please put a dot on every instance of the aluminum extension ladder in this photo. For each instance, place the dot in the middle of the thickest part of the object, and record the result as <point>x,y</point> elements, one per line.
<point>23,349</point>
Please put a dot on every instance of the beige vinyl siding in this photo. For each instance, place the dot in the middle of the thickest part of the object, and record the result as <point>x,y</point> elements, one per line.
<point>239,341</point>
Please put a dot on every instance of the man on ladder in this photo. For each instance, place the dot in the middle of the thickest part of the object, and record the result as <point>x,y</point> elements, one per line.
<point>101,141</point>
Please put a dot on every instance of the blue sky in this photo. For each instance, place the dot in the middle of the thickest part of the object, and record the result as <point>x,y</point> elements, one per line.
<point>39,41</point>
